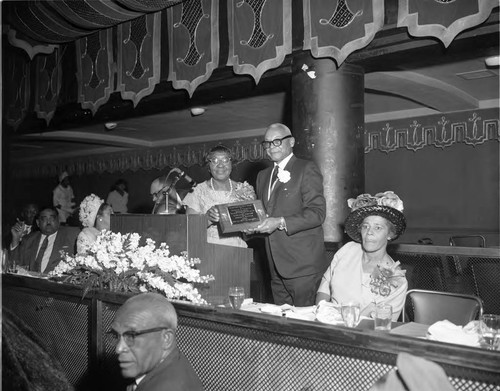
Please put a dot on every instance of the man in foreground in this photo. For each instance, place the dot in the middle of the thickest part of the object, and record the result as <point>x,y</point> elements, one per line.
<point>292,194</point>
<point>144,328</point>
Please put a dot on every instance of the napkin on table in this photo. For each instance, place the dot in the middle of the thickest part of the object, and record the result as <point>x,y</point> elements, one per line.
<point>445,331</point>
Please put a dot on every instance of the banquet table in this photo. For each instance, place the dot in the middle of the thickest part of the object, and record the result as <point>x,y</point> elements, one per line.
<point>237,349</point>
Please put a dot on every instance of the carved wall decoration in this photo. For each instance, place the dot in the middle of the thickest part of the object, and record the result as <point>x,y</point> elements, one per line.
<point>336,29</point>
<point>139,57</point>
<point>193,34</point>
<point>95,69</point>
<point>48,75</point>
<point>442,19</point>
<point>248,149</point>
<point>260,35</point>
<point>440,131</point>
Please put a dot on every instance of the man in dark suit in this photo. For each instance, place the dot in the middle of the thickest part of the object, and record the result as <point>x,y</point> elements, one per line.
<point>292,194</point>
<point>40,251</point>
<point>144,329</point>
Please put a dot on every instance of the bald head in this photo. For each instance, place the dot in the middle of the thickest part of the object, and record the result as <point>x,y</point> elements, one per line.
<point>158,184</point>
<point>153,320</point>
<point>278,128</point>
<point>152,307</point>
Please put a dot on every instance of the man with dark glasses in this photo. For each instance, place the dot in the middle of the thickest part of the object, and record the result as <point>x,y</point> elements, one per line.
<point>292,193</point>
<point>144,330</point>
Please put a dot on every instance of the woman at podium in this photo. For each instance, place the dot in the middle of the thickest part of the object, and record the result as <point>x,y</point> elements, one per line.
<point>219,189</point>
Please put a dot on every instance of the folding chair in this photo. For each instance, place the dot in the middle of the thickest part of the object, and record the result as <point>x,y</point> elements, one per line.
<point>432,306</point>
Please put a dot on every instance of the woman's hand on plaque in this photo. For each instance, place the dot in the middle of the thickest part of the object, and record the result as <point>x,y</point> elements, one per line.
<point>213,215</point>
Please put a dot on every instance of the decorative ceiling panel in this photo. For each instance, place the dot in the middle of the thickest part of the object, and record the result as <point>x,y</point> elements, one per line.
<point>61,21</point>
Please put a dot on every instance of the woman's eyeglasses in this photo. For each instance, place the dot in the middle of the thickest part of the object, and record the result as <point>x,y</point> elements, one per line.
<point>217,160</point>
<point>276,142</point>
<point>129,336</point>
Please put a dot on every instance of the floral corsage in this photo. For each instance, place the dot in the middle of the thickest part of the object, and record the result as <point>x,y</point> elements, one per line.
<point>385,278</point>
<point>244,192</point>
<point>283,176</point>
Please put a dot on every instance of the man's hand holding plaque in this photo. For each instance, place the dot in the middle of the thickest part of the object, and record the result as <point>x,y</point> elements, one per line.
<point>241,216</point>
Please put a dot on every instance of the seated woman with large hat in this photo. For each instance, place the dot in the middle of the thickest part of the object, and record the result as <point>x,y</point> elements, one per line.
<point>362,271</point>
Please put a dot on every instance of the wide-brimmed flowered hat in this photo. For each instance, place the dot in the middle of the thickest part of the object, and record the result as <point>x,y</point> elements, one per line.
<point>387,205</point>
<point>88,210</point>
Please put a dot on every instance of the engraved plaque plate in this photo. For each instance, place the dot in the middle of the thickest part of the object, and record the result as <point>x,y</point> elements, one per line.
<point>239,216</point>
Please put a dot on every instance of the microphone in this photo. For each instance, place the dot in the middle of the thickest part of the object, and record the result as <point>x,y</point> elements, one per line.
<point>182,174</point>
<point>190,180</point>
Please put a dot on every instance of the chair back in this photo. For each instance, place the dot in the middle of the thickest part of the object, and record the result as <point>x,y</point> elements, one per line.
<point>468,241</point>
<point>486,276</point>
<point>432,306</point>
<point>460,263</point>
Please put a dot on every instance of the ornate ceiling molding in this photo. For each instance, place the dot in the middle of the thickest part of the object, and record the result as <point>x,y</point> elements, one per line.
<point>248,149</point>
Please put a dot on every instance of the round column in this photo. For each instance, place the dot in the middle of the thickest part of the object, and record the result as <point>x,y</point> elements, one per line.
<point>328,126</point>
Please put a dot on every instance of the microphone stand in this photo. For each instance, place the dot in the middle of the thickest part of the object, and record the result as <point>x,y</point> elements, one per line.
<point>165,192</point>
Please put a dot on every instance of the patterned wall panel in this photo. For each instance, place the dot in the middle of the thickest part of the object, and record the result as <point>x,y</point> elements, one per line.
<point>443,19</point>
<point>260,35</point>
<point>95,69</point>
<point>193,36</point>
<point>336,29</point>
<point>139,57</point>
<point>441,131</point>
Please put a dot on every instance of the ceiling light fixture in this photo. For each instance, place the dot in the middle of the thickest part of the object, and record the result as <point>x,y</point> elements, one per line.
<point>110,125</point>
<point>493,61</point>
<point>197,111</point>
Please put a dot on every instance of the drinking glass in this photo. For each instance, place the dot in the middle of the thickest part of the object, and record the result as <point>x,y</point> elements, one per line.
<point>489,327</point>
<point>350,313</point>
<point>236,296</point>
<point>383,316</point>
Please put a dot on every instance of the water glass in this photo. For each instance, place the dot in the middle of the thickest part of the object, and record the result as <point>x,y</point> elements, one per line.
<point>236,296</point>
<point>383,317</point>
<point>489,327</point>
<point>350,313</point>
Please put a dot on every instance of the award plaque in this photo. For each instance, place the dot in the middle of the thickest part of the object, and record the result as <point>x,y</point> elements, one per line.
<point>239,216</point>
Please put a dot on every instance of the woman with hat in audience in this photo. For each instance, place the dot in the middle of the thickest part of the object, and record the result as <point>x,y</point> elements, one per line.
<point>362,271</point>
<point>95,216</point>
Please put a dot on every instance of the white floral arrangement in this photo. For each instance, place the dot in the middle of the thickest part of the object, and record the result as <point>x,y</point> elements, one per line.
<point>117,262</point>
<point>88,210</point>
<point>387,198</point>
<point>244,192</point>
<point>283,176</point>
<point>385,278</point>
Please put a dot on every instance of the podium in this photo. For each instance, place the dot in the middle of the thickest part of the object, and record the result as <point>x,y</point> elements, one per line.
<point>229,265</point>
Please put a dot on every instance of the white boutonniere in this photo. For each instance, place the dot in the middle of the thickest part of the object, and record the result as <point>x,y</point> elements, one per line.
<point>284,176</point>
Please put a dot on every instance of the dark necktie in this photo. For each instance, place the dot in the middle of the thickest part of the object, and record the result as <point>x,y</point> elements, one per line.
<point>275,175</point>
<point>274,178</point>
<point>39,257</point>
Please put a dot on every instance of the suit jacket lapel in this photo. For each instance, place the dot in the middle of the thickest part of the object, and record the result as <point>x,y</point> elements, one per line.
<point>32,251</point>
<point>54,255</point>
<point>265,193</point>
